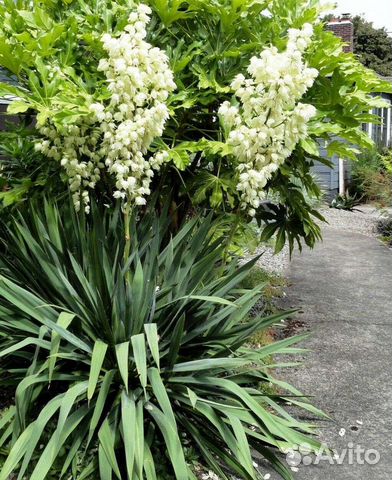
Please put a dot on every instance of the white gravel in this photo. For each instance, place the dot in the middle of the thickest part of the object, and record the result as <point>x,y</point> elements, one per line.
<point>362,221</point>
<point>271,262</point>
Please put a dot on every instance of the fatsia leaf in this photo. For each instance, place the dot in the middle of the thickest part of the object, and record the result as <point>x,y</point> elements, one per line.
<point>18,106</point>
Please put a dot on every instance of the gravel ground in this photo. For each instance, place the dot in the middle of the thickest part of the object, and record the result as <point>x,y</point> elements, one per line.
<point>271,262</point>
<point>361,221</point>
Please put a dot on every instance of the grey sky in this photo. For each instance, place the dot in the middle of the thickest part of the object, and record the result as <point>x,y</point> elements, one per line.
<point>377,11</point>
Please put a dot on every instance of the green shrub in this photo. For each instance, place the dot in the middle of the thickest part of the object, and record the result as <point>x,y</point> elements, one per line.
<point>24,172</point>
<point>384,228</point>
<point>132,358</point>
<point>386,158</point>
<point>372,177</point>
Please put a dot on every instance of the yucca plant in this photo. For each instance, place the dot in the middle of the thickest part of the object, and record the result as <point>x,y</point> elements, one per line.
<point>126,353</point>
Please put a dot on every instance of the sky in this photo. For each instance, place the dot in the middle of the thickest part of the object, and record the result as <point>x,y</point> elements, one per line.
<point>377,11</point>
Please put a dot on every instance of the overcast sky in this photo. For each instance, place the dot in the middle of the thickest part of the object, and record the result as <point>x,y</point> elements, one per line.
<point>377,11</point>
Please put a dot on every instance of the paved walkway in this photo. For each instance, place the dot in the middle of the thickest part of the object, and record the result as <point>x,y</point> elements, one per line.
<point>344,289</point>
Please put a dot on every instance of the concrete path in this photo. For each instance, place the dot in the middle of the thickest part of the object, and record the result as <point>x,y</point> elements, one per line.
<point>344,289</point>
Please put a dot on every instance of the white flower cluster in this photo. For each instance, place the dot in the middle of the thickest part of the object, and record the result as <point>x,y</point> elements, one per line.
<point>269,121</point>
<point>118,133</point>
<point>140,81</point>
<point>75,147</point>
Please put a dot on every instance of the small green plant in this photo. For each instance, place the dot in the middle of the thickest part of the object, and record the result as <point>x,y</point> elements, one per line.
<point>372,177</point>
<point>120,355</point>
<point>386,159</point>
<point>384,228</point>
<point>273,289</point>
<point>345,202</point>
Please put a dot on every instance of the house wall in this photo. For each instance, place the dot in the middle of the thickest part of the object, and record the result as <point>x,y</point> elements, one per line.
<point>328,177</point>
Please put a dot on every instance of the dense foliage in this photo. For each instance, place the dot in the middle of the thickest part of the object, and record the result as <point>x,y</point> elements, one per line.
<point>372,177</point>
<point>24,172</point>
<point>384,228</point>
<point>373,46</point>
<point>70,62</point>
<point>119,359</point>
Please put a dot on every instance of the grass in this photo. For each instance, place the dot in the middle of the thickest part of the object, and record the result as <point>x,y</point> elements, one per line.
<point>273,290</point>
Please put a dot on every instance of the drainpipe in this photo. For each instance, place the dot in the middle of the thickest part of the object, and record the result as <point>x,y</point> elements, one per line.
<point>342,183</point>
